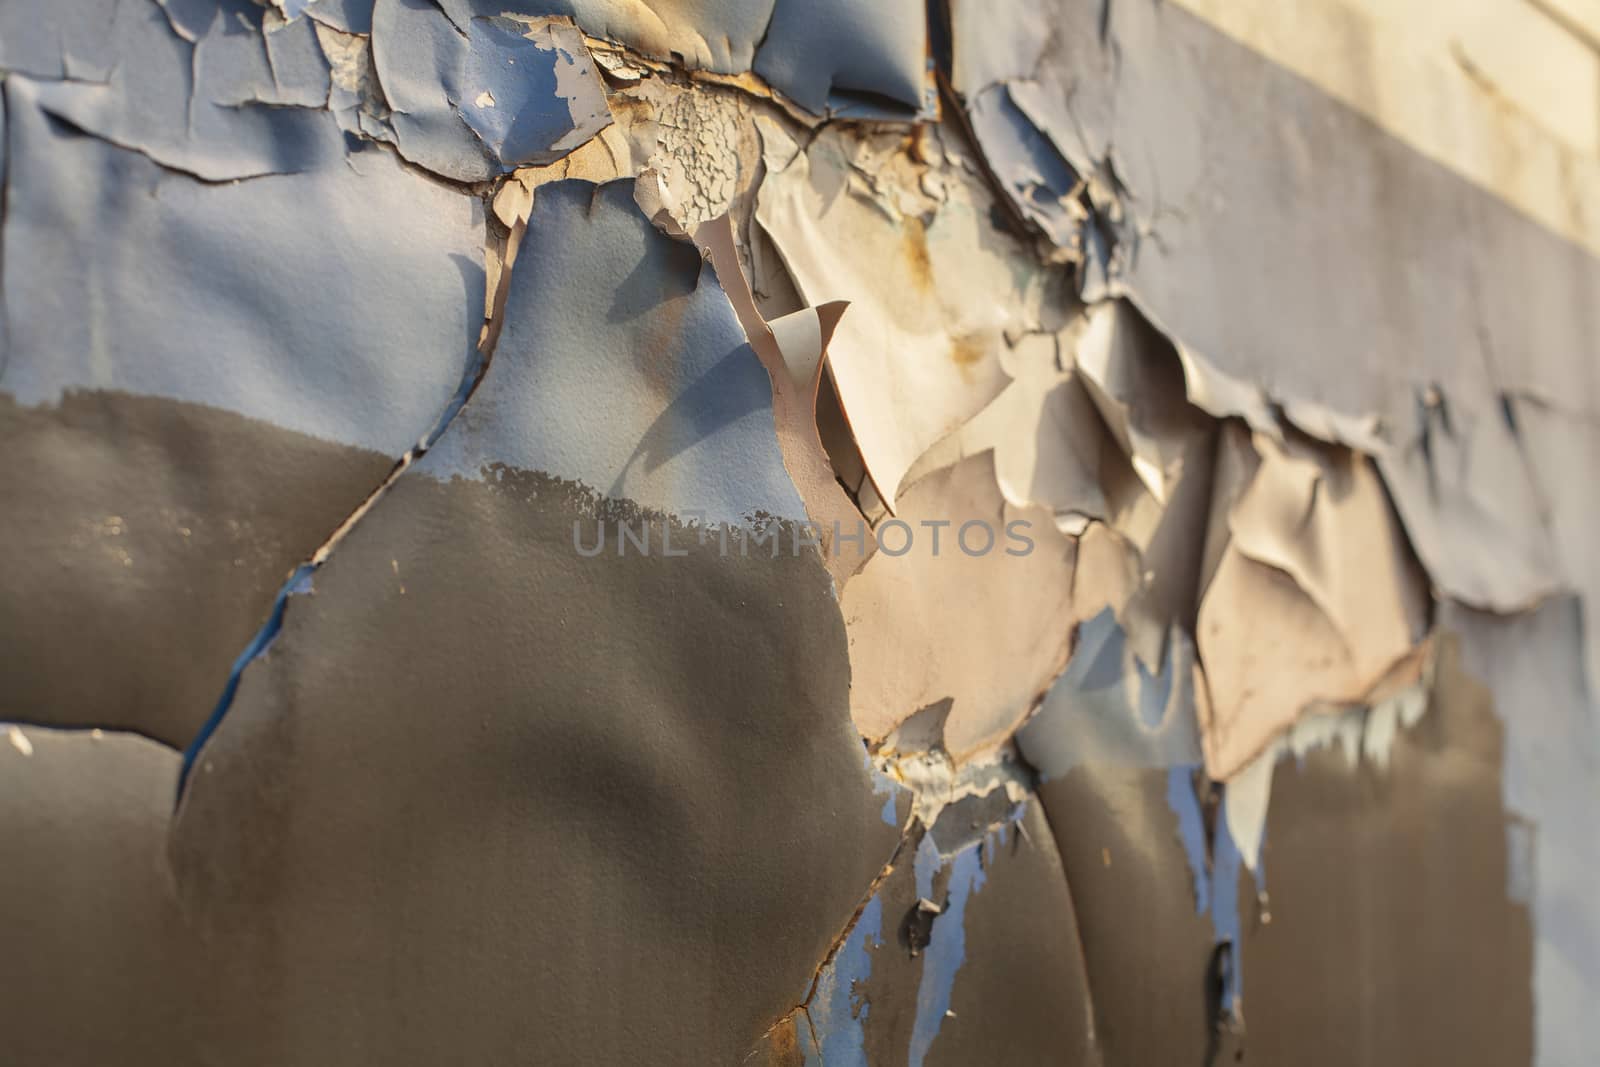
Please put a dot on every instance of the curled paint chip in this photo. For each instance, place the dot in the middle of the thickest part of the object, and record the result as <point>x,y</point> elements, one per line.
<point>625,369</point>
<point>912,329</point>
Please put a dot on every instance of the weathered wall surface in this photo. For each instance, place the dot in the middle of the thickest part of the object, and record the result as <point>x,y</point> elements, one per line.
<point>697,531</point>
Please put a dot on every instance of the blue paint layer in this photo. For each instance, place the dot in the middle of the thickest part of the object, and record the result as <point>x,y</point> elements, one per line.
<point>817,50</point>
<point>528,114</point>
<point>192,105</point>
<point>1191,829</point>
<point>1036,176</point>
<point>839,1012</point>
<point>926,864</point>
<point>1216,881</point>
<point>1107,708</point>
<point>294,300</point>
<point>838,1009</point>
<point>351,16</point>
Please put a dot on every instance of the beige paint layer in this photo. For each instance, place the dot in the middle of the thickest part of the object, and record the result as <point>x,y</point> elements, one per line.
<point>988,633</point>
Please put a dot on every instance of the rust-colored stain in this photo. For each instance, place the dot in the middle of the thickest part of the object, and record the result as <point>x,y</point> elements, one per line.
<point>967,351</point>
<point>781,1045</point>
<point>914,248</point>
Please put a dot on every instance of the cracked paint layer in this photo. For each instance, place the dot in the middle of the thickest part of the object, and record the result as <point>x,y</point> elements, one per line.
<point>196,90</point>
<point>250,361</point>
<point>603,376</point>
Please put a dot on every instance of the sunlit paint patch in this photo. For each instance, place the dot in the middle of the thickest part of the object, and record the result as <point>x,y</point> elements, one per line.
<point>884,786</point>
<point>838,1009</point>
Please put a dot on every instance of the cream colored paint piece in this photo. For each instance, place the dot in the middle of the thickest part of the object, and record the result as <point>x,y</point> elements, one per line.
<point>1417,92</point>
<point>1311,596</point>
<point>1047,438</point>
<point>931,300</point>
<point>1108,573</point>
<point>1321,515</point>
<point>799,338</point>
<point>1137,381</point>
<point>1269,652</point>
<point>987,632</point>
<point>1156,474</point>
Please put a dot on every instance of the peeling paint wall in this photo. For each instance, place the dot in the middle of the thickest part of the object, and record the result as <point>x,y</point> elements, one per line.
<point>799,533</point>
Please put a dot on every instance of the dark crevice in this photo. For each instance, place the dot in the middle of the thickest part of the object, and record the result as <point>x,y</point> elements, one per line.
<point>816,1043</point>
<point>1220,978</point>
<point>941,37</point>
